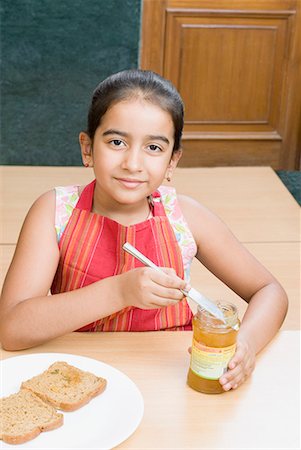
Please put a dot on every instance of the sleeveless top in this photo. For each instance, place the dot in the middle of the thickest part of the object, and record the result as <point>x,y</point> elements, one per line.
<point>91,249</point>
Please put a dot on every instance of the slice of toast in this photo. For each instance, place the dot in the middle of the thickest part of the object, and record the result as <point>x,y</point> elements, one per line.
<point>23,416</point>
<point>65,387</point>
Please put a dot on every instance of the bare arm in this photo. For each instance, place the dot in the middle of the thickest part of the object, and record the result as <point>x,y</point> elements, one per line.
<point>29,316</point>
<point>230,261</point>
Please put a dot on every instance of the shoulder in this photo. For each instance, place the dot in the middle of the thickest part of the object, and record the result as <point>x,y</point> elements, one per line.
<point>195,213</point>
<point>187,203</point>
<point>38,226</point>
<point>63,192</point>
<point>203,222</point>
<point>40,216</point>
<point>45,207</point>
<point>50,200</point>
<point>45,203</point>
<point>193,208</point>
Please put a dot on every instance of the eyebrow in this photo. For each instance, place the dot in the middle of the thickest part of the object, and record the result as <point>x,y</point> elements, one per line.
<point>111,131</point>
<point>158,137</point>
<point>124,134</point>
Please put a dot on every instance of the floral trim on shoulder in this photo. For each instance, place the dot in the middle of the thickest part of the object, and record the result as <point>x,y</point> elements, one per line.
<point>66,200</point>
<point>181,229</point>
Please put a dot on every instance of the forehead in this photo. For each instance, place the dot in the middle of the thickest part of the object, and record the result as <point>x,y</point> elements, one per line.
<point>138,114</point>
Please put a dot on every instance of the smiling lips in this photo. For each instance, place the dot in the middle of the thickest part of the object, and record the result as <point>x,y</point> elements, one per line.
<point>130,183</point>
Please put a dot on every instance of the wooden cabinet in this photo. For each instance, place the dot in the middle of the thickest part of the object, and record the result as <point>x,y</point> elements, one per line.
<point>237,67</point>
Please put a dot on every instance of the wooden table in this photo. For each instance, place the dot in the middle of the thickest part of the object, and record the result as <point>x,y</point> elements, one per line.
<point>262,414</point>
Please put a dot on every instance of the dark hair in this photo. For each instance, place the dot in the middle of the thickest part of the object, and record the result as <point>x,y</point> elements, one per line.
<point>143,84</point>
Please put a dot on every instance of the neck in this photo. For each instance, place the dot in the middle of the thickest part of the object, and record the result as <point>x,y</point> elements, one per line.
<point>125,214</point>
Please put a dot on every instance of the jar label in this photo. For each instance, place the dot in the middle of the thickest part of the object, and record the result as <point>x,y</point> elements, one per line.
<point>210,362</point>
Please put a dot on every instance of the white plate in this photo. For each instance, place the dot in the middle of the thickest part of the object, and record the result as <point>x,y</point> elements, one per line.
<point>104,423</point>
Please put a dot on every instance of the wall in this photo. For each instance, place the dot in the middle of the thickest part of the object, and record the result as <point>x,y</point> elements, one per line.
<point>53,54</point>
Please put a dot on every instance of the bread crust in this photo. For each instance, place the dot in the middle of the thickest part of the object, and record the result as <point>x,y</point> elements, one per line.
<point>55,421</point>
<point>69,379</point>
<point>9,439</point>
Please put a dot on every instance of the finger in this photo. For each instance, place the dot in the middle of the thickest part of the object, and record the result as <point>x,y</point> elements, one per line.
<point>233,383</point>
<point>168,270</point>
<point>237,358</point>
<point>165,294</point>
<point>160,302</point>
<point>246,361</point>
<point>234,378</point>
<point>235,367</point>
<point>230,376</point>
<point>155,302</point>
<point>168,278</point>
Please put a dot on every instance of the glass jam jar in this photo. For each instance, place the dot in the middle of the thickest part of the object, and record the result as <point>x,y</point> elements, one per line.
<point>214,344</point>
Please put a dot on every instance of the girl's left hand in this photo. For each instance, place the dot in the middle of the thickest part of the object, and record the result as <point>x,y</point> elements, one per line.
<point>240,366</point>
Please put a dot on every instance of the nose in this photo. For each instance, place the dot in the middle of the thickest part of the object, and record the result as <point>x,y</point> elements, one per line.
<point>133,160</point>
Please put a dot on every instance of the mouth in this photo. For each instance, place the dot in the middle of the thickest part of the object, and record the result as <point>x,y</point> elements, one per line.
<point>130,183</point>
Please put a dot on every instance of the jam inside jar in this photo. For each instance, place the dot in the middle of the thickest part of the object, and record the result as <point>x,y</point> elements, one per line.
<point>213,346</point>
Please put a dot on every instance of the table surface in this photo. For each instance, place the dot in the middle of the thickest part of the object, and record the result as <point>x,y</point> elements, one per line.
<point>263,413</point>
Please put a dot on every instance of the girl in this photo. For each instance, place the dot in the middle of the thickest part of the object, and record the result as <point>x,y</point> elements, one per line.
<point>71,240</point>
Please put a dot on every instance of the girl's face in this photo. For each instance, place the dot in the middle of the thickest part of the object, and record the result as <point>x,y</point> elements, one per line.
<point>131,153</point>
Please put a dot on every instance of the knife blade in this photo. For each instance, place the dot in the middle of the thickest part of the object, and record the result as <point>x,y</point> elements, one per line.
<point>196,296</point>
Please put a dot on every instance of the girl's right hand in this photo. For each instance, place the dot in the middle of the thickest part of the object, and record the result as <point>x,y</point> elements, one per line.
<point>147,288</point>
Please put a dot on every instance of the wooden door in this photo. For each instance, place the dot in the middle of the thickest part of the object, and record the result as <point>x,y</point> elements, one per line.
<point>236,64</point>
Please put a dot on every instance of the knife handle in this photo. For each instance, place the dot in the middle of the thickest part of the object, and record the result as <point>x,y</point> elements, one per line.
<point>134,252</point>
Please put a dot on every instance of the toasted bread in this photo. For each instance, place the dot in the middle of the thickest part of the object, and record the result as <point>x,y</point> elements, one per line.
<point>23,416</point>
<point>65,387</point>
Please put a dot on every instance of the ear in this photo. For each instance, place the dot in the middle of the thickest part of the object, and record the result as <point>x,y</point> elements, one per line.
<point>86,149</point>
<point>176,156</point>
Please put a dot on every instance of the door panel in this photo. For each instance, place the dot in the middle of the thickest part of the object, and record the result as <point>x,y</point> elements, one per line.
<point>235,69</point>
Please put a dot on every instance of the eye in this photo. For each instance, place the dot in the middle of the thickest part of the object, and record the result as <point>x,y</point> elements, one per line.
<point>117,143</point>
<point>155,148</point>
